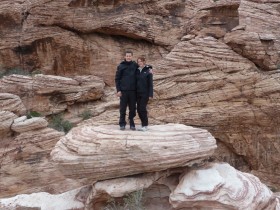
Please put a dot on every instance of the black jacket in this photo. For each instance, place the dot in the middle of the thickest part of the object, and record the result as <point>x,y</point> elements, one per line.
<point>125,78</point>
<point>144,81</point>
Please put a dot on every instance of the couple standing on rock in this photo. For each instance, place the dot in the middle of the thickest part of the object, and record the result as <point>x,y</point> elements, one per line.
<point>134,83</point>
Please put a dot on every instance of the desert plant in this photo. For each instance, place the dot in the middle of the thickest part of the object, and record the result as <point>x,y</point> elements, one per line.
<point>59,124</point>
<point>86,114</point>
<point>131,201</point>
<point>10,71</point>
<point>37,71</point>
<point>31,114</point>
<point>113,205</point>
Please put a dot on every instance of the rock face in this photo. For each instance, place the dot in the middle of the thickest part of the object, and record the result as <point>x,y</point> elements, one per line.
<point>211,186</point>
<point>7,119</point>
<point>12,103</point>
<point>48,94</point>
<point>208,90</point>
<point>25,147</point>
<point>103,152</point>
<point>216,66</point>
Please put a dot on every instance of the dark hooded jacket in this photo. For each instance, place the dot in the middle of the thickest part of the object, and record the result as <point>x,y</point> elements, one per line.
<point>125,78</point>
<point>144,80</point>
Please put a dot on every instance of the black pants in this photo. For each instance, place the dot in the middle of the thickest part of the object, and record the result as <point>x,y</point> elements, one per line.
<point>142,101</point>
<point>128,98</point>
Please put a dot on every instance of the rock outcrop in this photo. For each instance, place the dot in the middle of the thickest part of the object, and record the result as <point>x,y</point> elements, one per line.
<point>48,94</point>
<point>216,67</point>
<point>12,103</point>
<point>211,186</point>
<point>103,152</point>
<point>220,186</point>
<point>22,124</point>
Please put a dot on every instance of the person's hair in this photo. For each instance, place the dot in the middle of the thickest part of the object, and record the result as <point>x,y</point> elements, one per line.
<point>141,58</point>
<point>128,51</point>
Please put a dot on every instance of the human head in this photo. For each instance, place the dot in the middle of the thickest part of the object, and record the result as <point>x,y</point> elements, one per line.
<point>128,55</point>
<point>141,61</point>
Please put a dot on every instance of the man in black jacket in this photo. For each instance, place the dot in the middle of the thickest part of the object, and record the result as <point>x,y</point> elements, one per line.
<point>125,80</point>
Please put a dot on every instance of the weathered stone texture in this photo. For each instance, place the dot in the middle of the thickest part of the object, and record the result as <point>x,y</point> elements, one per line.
<point>216,67</point>
<point>103,152</point>
<point>48,94</point>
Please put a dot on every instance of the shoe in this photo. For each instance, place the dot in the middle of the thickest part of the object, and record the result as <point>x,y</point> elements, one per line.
<point>132,128</point>
<point>144,128</point>
<point>122,128</point>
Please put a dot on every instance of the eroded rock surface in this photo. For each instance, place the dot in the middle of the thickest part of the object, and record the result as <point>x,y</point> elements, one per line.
<point>12,103</point>
<point>25,161</point>
<point>23,124</point>
<point>48,94</point>
<point>220,186</point>
<point>103,152</point>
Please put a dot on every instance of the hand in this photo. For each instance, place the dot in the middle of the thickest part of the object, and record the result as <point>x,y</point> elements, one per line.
<point>151,71</point>
<point>119,94</point>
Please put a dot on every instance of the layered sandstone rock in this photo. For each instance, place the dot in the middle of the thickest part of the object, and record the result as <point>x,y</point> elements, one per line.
<point>203,82</point>
<point>12,103</point>
<point>212,186</point>
<point>23,124</point>
<point>104,152</point>
<point>210,71</point>
<point>25,158</point>
<point>48,94</point>
<point>6,119</point>
<point>220,186</point>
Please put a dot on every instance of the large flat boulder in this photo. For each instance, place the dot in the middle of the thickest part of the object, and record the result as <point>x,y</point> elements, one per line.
<point>103,152</point>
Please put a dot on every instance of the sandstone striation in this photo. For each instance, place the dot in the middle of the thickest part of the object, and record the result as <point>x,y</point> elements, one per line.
<point>6,119</point>
<point>103,152</point>
<point>203,82</point>
<point>23,124</point>
<point>48,94</point>
<point>12,103</point>
<point>216,67</point>
<point>220,186</point>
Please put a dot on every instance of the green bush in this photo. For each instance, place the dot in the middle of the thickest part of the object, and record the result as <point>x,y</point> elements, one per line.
<point>132,201</point>
<point>59,124</point>
<point>11,71</point>
<point>86,114</point>
<point>31,114</point>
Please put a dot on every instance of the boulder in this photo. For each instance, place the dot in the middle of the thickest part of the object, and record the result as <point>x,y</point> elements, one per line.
<point>220,186</point>
<point>23,124</point>
<point>104,152</point>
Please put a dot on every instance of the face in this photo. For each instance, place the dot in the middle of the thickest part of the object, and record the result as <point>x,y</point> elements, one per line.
<point>128,57</point>
<point>141,63</point>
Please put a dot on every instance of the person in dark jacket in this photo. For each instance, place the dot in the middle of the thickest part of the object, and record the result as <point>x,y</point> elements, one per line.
<point>125,80</point>
<point>144,88</point>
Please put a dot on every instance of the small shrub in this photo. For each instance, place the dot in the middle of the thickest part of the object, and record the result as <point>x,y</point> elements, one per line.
<point>59,124</point>
<point>113,205</point>
<point>86,114</point>
<point>11,71</point>
<point>132,201</point>
<point>135,200</point>
<point>37,71</point>
<point>31,114</point>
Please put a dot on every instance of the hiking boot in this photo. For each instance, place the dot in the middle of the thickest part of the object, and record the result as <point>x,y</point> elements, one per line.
<point>122,128</point>
<point>143,128</point>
